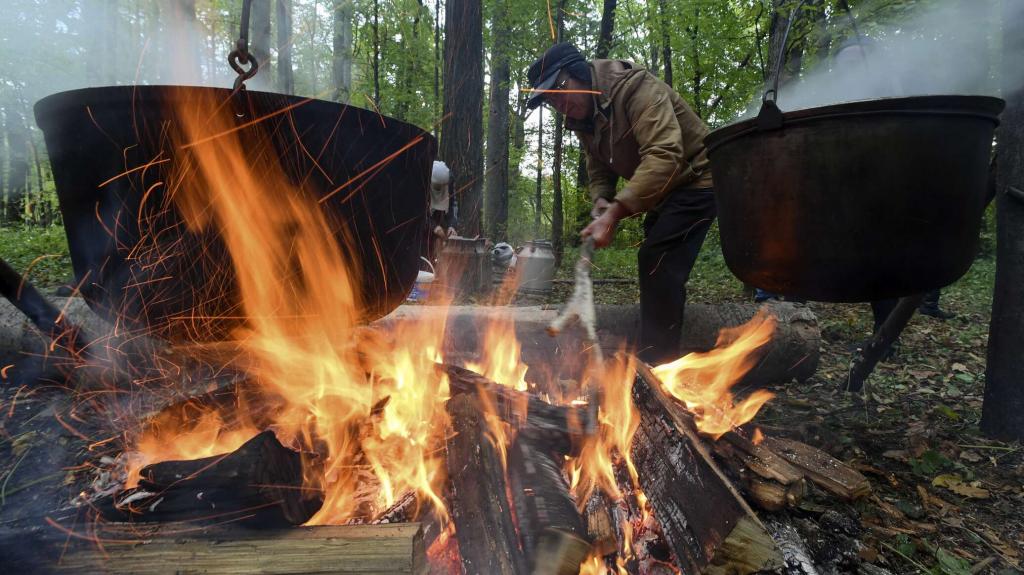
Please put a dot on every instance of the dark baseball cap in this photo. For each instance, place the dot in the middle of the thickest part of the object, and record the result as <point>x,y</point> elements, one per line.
<point>543,73</point>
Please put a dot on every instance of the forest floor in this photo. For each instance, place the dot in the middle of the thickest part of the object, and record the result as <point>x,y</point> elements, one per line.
<point>946,500</point>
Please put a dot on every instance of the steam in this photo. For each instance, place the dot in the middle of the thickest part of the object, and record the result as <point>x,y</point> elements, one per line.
<point>948,47</point>
<point>49,47</point>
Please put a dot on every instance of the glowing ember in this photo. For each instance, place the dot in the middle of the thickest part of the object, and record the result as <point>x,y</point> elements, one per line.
<point>702,381</point>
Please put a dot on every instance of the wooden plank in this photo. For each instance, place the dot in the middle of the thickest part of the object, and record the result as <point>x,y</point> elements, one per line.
<point>821,468</point>
<point>146,549</point>
<point>706,522</point>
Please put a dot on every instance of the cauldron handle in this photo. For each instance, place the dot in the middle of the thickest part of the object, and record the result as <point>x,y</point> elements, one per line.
<point>770,116</point>
<point>240,56</point>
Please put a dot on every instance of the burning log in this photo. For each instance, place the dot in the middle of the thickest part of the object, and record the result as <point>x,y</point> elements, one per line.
<point>550,527</point>
<point>791,354</point>
<point>149,549</point>
<point>259,483</point>
<point>708,525</point>
<point>559,425</point>
<point>483,520</point>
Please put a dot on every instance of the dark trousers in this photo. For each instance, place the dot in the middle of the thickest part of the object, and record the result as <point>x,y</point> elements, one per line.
<point>673,235</point>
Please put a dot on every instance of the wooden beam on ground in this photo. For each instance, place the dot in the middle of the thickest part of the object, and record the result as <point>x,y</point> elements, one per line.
<point>708,525</point>
<point>151,549</point>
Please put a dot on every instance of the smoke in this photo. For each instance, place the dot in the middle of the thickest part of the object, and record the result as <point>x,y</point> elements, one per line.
<point>945,47</point>
<point>49,47</point>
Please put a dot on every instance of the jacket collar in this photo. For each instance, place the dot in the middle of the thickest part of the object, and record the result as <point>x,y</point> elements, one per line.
<point>608,77</point>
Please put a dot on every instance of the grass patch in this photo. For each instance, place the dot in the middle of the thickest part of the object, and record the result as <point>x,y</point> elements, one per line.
<point>44,249</point>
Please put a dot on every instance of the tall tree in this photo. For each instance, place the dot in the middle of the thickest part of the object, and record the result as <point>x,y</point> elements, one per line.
<point>557,217</point>
<point>259,42</point>
<point>496,188</point>
<point>604,46</point>
<point>341,60</point>
<point>462,135</point>
<point>376,53</point>
<point>18,166</point>
<point>697,79</point>
<point>538,194</point>
<point>285,74</point>
<point>1002,413</point>
<point>666,40</point>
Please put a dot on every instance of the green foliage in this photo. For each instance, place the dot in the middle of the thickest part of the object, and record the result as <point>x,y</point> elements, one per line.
<point>42,251</point>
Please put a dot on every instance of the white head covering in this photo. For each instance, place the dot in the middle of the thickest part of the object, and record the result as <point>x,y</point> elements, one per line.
<point>439,178</point>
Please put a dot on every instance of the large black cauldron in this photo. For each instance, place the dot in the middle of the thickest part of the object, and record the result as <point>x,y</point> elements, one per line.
<point>857,201</point>
<point>136,262</point>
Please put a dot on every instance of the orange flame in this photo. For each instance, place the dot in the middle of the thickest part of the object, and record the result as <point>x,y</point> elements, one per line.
<point>372,410</point>
<point>702,381</point>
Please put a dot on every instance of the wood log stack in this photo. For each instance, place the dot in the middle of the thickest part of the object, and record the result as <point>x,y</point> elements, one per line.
<point>513,512</point>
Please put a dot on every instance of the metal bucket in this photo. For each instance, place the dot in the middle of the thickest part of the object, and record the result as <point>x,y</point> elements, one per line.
<point>136,262</point>
<point>857,201</point>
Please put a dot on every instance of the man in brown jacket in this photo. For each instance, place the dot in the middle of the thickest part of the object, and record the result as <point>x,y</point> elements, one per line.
<point>635,127</point>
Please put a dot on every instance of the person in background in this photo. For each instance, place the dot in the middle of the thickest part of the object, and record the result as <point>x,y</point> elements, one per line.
<point>443,209</point>
<point>635,127</point>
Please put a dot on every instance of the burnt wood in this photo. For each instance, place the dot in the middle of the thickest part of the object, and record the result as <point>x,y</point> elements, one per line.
<point>560,426</point>
<point>260,483</point>
<point>708,525</point>
<point>822,469</point>
<point>551,530</point>
<point>477,494</point>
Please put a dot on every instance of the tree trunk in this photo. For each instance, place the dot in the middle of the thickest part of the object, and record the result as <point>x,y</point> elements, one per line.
<point>437,64</point>
<point>40,211</point>
<point>557,217</point>
<point>341,61</point>
<point>538,196</point>
<point>285,76</point>
<point>18,166</point>
<point>259,43</point>
<point>462,140</point>
<point>604,45</point>
<point>1002,413</point>
<point>496,195</point>
<point>698,76</point>
<point>666,42</point>
<point>376,53</point>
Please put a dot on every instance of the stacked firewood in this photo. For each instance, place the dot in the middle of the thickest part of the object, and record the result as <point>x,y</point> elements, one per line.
<point>511,505</point>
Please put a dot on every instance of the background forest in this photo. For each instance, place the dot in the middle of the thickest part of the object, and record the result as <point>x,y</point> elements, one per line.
<point>455,67</point>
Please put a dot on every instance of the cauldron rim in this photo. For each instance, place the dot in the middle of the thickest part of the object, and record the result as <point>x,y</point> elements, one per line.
<point>50,105</point>
<point>984,107</point>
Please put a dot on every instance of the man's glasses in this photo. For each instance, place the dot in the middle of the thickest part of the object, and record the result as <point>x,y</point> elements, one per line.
<point>556,91</point>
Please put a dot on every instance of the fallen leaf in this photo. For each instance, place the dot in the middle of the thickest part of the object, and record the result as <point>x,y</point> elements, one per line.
<point>971,456</point>
<point>955,484</point>
<point>959,367</point>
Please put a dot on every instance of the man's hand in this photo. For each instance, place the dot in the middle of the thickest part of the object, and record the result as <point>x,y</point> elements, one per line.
<point>603,227</point>
<point>439,232</point>
<point>451,232</point>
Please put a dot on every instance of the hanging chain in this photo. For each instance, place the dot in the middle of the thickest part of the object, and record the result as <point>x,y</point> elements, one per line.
<point>240,56</point>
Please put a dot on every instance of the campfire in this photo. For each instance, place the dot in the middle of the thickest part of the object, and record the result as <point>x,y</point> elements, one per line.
<point>328,422</point>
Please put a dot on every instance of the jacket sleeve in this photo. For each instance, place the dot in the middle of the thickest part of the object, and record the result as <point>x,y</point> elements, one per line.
<point>602,180</point>
<point>663,166</point>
